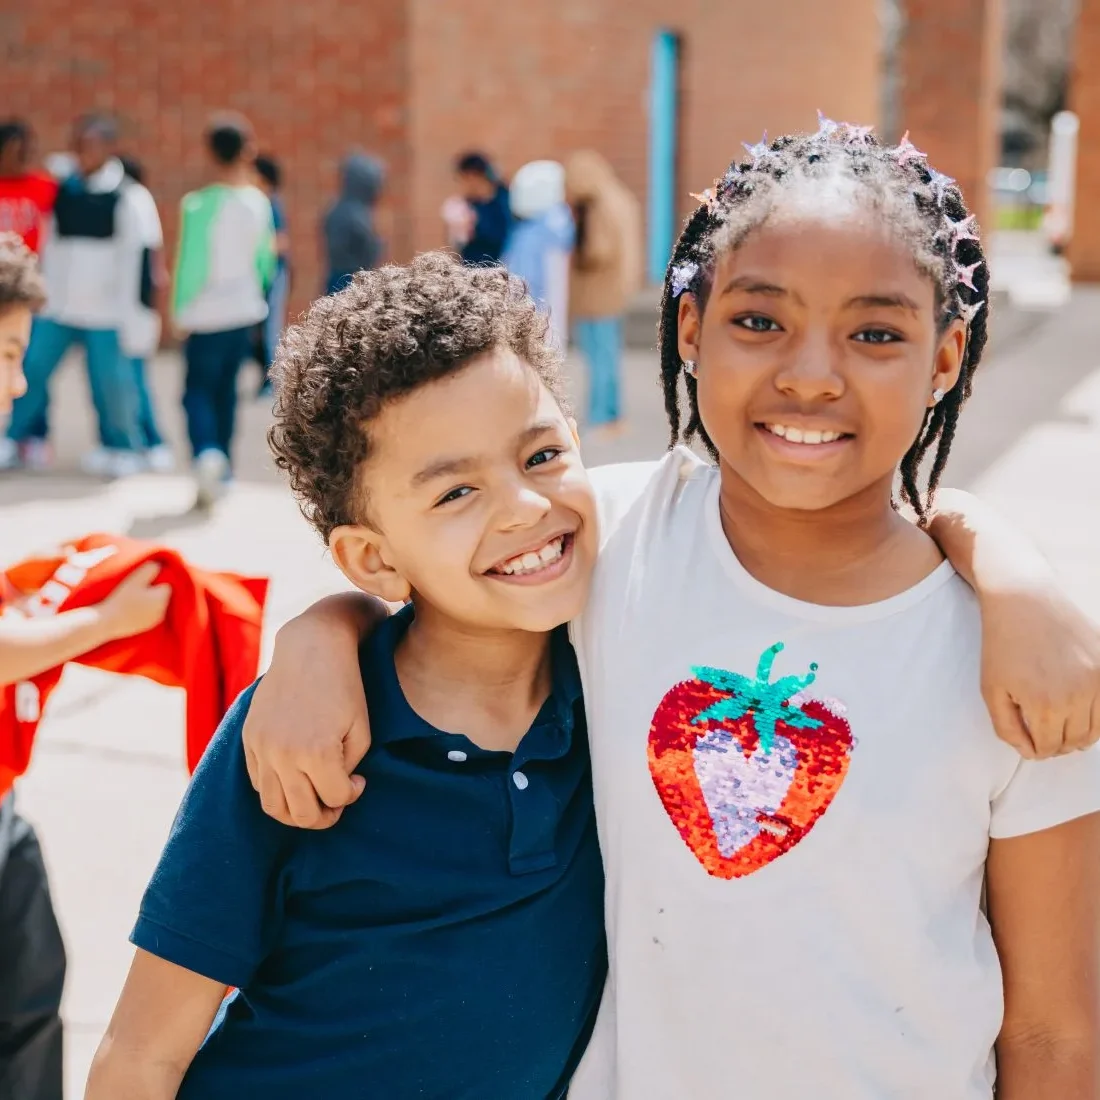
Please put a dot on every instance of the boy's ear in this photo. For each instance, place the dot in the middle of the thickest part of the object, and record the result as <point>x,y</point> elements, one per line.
<point>950,353</point>
<point>358,553</point>
<point>689,322</point>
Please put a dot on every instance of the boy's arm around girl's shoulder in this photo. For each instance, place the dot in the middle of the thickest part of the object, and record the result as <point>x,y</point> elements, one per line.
<point>208,919</point>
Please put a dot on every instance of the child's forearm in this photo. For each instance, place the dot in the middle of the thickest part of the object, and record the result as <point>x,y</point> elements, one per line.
<point>1047,1068</point>
<point>345,616</point>
<point>125,1075</point>
<point>29,647</point>
<point>987,551</point>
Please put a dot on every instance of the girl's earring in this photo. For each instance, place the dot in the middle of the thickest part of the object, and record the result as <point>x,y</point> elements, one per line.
<point>937,396</point>
<point>690,367</point>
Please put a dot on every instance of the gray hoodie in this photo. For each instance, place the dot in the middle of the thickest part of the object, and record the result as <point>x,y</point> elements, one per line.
<point>351,241</point>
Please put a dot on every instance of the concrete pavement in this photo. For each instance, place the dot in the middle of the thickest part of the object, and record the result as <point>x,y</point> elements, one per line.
<point>108,771</point>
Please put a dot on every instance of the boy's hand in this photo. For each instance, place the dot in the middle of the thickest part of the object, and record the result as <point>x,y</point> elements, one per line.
<point>307,727</point>
<point>1041,671</point>
<point>136,605</point>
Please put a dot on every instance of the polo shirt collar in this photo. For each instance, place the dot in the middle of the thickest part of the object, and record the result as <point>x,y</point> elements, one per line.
<point>384,694</point>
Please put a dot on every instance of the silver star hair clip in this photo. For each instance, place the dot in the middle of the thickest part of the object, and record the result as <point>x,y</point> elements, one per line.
<point>707,197</point>
<point>758,151</point>
<point>966,230</point>
<point>858,135</point>
<point>907,151</point>
<point>939,184</point>
<point>965,275</point>
<point>683,275</point>
<point>826,127</point>
<point>968,311</point>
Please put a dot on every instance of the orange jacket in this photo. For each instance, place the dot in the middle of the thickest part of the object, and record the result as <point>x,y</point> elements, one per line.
<point>208,644</point>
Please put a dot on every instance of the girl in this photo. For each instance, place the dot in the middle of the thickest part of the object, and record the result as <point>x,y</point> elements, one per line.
<point>800,798</point>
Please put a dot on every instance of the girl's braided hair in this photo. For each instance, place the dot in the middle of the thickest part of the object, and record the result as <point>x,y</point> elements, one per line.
<point>925,207</point>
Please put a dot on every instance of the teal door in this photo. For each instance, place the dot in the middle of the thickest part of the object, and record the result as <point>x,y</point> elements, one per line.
<point>664,78</point>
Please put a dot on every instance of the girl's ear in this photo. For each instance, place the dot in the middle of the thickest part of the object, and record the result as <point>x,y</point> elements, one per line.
<point>689,324</point>
<point>947,365</point>
<point>359,553</point>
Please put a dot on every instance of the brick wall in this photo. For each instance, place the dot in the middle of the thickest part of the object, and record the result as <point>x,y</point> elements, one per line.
<point>1085,94</point>
<point>418,80</point>
<point>541,78</point>
<point>313,78</point>
<point>950,85</point>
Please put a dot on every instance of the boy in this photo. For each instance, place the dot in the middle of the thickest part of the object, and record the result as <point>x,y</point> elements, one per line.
<point>91,264</point>
<point>447,939</point>
<point>32,956</point>
<point>224,266</point>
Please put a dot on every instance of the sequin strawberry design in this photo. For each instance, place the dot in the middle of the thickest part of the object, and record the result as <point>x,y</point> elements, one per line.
<point>745,766</point>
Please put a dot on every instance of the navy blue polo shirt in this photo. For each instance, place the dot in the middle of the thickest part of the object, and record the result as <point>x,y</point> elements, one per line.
<point>444,939</point>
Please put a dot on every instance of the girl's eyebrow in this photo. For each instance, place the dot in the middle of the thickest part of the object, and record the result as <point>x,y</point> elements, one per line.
<point>751,284</point>
<point>883,301</point>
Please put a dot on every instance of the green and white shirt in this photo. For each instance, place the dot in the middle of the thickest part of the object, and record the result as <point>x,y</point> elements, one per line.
<point>226,259</point>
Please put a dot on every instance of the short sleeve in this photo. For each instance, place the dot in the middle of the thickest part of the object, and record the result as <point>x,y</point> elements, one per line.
<point>214,905</point>
<point>620,486</point>
<point>1045,793</point>
<point>148,217</point>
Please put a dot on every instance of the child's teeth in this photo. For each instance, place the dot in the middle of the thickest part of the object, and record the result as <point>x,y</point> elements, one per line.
<point>534,560</point>
<point>796,435</point>
<point>551,551</point>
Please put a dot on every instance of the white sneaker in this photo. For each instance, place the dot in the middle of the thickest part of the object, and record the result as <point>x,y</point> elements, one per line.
<point>211,476</point>
<point>10,458</point>
<point>37,454</point>
<point>160,459</point>
<point>96,462</point>
<point>124,463</point>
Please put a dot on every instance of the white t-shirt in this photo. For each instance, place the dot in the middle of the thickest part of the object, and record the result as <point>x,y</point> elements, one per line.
<point>794,806</point>
<point>139,329</point>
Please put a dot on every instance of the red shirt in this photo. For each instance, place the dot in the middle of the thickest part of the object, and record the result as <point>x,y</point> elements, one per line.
<point>209,643</point>
<point>25,203</point>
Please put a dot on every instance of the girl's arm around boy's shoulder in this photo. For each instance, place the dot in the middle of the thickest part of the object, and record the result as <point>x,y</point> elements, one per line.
<point>1043,883</point>
<point>210,916</point>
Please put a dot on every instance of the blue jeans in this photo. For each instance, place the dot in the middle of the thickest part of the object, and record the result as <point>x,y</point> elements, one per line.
<point>276,315</point>
<point>148,429</point>
<point>601,343</point>
<point>210,391</point>
<point>110,376</point>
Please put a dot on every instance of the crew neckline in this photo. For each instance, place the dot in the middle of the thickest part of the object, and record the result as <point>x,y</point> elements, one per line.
<point>803,609</point>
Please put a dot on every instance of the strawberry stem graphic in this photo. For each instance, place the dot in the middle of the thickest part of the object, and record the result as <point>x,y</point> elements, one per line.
<point>765,702</point>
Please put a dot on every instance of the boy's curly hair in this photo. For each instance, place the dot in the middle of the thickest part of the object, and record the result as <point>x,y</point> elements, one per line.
<point>388,332</point>
<point>20,282</point>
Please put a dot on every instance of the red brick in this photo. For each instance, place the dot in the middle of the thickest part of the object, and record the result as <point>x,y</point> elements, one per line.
<point>951,88</point>
<point>1085,99</point>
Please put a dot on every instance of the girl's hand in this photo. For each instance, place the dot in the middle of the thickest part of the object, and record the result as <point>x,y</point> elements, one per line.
<point>1040,671</point>
<point>307,729</point>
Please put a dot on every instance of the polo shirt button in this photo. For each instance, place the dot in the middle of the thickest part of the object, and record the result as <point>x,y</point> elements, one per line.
<point>520,780</point>
<point>457,755</point>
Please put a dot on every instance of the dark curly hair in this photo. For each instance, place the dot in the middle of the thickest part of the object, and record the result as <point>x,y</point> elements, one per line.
<point>925,208</point>
<point>387,333</point>
<point>20,282</point>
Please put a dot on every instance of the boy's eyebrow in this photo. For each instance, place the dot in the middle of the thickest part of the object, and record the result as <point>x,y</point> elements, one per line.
<point>442,468</point>
<point>446,467</point>
<point>883,301</point>
<point>541,427</point>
